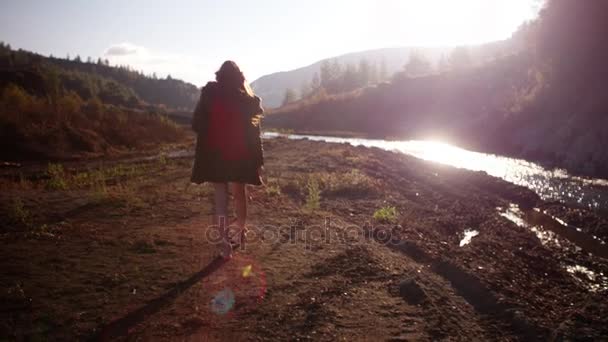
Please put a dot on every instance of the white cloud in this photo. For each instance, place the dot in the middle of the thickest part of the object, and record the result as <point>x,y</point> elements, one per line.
<point>123,49</point>
<point>162,64</point>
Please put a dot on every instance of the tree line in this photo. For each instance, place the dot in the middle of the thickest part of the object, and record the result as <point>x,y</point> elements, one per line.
<point>117,85</point>
<point>59,108</point>
<point>335,77</point>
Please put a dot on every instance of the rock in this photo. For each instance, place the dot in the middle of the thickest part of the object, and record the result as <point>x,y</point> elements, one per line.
<point>412,292</point>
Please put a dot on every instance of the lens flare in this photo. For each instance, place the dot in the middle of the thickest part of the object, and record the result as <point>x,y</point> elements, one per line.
<point>223,302</point>
<point>247,271</point>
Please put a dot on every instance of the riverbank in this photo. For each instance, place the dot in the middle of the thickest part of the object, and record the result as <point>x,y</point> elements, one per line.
<point>552,185</point>
<point>345,242</point>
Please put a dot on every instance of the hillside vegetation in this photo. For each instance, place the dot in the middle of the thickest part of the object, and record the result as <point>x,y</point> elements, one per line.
<point>365,68</point>
<point>60,108</point>
<point>545,103</point>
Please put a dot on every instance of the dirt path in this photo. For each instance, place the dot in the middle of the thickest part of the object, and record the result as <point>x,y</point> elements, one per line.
<point>139,263</point>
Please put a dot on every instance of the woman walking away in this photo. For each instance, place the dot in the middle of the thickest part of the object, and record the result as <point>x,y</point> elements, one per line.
<point>228,146</point>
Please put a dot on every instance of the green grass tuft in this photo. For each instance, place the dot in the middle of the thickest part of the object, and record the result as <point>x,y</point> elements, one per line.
<point>57,177</point>
<point>313,196</point>
<point>386,215</point>
<point>18,214</point>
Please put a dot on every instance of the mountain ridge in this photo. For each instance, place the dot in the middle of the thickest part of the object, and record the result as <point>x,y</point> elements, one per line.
<point>272,87</point>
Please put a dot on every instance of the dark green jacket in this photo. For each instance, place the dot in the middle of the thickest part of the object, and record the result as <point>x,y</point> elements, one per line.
<point>207,167</point>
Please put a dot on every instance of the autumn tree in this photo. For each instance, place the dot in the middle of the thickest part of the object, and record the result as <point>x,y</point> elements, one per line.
<point>383,73</point>
<point>349,79</point>
<point>331,72</point>
<point>373,73</point>
<point>289,97</point>
<point>573,37</point>
<point>363,73</point>
<point>315,84</point>
<point>460,58</point>
<point>305,90</point>
<point>418,65</point>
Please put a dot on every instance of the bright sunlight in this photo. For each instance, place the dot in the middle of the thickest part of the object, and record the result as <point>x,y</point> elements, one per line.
<point>449,23</point>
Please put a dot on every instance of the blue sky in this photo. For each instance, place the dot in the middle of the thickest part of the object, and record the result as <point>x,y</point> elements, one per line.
<point>189,39</point>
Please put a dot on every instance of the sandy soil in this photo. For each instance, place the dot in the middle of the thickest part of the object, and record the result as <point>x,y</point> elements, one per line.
<point>126,253</point>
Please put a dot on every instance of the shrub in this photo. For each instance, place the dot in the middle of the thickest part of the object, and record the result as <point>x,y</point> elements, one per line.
<point>126,196</point>
<point>14,98</point>
<point>352,183</point>
<point>18,214</point>
<point>272,187</point>
<point>53,128</point>
<point>162,159</point>
<point>313,197</point>
<point>95,109</point>
<point>164,120</point>
<point>57,177</point>
<point>98,182</point>
<point>386,215</point>
<point>69,106</point>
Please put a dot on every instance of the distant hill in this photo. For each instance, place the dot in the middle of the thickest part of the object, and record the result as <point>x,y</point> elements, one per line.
<point>438,105</point>
<point>271,88</point>
<point>546,103</point>
<point>52,108</point>
<point>115,85</point>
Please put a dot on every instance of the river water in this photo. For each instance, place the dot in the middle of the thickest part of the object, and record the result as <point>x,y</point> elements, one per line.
<point>550,185</point>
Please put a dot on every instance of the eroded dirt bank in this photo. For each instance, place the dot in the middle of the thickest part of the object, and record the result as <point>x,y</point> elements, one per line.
<point>125,251</point>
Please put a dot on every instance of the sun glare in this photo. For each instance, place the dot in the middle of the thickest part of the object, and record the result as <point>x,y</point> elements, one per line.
<point>438,151</point>
<point>440,22</point>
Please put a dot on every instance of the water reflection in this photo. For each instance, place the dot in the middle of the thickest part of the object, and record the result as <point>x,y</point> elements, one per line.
<point>515,215</point>
<point>468,236</point>
<point>548,184</point>
<point>593,281</point>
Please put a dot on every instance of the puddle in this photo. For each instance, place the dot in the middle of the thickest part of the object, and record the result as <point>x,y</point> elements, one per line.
<point>468,236</point>
<point>565,224</point>
<point>549,230</point>
<point>547,237</point>
<point>594,282</point>
<point>513,214</point>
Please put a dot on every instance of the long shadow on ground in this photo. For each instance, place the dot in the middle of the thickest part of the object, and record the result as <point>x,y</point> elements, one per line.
<point>121,326</point>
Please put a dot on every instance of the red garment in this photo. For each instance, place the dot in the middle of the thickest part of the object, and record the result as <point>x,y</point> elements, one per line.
<point>227,131</point>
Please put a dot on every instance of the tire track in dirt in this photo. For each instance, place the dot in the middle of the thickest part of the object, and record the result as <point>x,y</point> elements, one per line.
<point>369,270</point>
<point>471,289</point>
